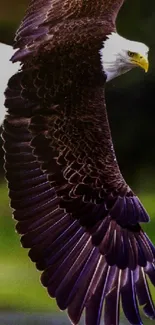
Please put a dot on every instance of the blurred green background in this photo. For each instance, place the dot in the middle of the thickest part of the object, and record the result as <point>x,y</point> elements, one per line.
<point>131,110</point>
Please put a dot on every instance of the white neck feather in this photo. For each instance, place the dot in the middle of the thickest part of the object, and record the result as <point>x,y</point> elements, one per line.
<point>114,56</point>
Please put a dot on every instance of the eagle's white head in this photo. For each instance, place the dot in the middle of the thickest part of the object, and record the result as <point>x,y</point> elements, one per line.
<point>120,55</point>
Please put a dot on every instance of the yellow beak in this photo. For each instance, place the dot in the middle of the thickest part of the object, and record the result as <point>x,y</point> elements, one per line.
<point>141,61</point>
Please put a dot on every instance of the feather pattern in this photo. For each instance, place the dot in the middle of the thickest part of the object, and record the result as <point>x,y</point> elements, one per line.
<point>43,17</point>
<point>74,210</point>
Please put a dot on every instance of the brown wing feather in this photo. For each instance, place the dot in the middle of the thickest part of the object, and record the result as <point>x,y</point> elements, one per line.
<point>45,13</point>
<point>44,18</point>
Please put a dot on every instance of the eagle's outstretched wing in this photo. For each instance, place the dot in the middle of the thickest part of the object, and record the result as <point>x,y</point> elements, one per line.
<point>74,210</point>
<point>45,18</point>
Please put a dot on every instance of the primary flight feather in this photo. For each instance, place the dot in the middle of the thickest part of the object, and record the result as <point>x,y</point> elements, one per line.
<point>74,210</point>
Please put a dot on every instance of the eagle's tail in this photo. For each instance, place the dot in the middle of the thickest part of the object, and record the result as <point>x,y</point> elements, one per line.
<point>7,69</point>
<point>91,270</point>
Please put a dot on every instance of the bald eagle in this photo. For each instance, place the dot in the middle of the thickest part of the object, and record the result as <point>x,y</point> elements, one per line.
<point>74,210</point>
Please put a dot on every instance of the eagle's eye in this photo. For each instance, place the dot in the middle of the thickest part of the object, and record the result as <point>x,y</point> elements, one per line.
<point>131,54</point>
